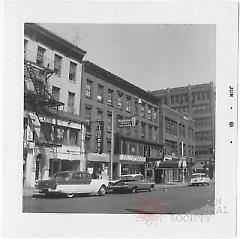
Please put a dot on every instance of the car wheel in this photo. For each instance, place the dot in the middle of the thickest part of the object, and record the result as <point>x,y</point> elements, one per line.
<point>150,189</point>
<point>70,195</point>
<point>102,190</point>
<point>134,190</point>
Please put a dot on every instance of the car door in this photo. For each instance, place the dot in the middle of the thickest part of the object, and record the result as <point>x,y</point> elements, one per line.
<point>80,183</point>
<point>140,182</point>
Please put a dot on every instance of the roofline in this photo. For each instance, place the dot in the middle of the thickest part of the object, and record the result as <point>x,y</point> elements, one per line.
<point>182,87</point>
<point>68,48</point>
<point>175,111</point>
<point>116,80</point>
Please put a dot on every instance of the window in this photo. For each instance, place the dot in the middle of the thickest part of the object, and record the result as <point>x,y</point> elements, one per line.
<point>208,95</point>
<point>110,97</point>
<point>57,64</point>
<point>143,130</point>
<point>55,93</point>
<point>140,150</point>
<point>142,110</point>
<point>183,130</point>
<point>149,113</point>
<point>71,99</point>
<point>150,132</point>
<point>119,99</point>
<point>170,147</point>
<point>108,145</point>
<point>136,106</point>
<point>155,115</point>
<point>99,115</point>
<point>155,133</point>
<point>88,92</point>
<point>88,112</point>
<point>132,148</point>
<point>128,103</point>
<point>181,99</point>
<point>100,93</point>
<point>72,71</point>
<point>109,122</point>
<point>60,134</point>
<point>73,137</point>
<point>40,55</point>
<point>171,126</point>
<point>180,129</point>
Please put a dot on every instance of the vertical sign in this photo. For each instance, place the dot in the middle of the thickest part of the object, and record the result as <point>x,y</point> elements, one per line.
<point>100,128</point>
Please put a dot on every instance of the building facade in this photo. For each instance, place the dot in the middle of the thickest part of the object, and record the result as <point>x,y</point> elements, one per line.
<point>177,136</point>
<point>135,114</point>
<point>53,130</point>
<point>199,102</point>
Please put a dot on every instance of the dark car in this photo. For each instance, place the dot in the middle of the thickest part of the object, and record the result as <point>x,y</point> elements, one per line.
<point>131,183</point>
<point>72,182</point>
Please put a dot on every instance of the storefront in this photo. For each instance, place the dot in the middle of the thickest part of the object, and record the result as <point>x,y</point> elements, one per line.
<point>170,171</point>
<point>128,164</point>
<point>98,165</point>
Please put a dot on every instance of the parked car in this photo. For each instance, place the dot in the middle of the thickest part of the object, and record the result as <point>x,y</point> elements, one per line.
<point>131,183</point>
<point>71,183</point>
<point>199,178</point>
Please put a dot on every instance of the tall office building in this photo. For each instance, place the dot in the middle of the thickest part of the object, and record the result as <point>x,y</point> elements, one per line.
<point>199,102</point>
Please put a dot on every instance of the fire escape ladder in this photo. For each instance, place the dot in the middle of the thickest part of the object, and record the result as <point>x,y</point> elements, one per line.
<point>41,89</point>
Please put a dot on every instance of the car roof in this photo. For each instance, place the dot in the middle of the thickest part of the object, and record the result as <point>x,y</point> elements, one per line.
<point>198,174</point>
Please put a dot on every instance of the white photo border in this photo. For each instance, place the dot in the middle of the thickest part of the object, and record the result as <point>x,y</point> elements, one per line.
<point>223,14</point>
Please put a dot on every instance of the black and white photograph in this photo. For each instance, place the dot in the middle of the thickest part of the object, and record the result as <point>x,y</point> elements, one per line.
<point>122,122</point>
<point>88,130</point>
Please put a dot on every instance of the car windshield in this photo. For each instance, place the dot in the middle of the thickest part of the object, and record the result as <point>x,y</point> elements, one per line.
<point>62,176</point>
<point>127,178</point>
<point>198,175</point>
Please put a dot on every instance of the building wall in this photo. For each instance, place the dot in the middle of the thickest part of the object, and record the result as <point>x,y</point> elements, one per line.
<point>106,109</point>
<point>173,132</point>
<point>199,102</point>
<point>43,157</point>
<point>61,81</point>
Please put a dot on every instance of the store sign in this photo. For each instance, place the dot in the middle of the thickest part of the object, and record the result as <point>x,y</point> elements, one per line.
<point>100,128</point>
<point>125,123</point>
<point>125,157</point>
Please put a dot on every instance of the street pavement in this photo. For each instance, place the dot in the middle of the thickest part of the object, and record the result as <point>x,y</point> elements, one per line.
<point>164,199</point>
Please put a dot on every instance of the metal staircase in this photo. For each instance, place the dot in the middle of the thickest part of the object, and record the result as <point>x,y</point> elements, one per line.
<point>39,99</point>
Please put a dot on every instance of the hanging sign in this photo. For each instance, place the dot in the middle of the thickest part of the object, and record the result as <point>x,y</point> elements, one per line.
<point>125,123</point>
<point>100,129</point>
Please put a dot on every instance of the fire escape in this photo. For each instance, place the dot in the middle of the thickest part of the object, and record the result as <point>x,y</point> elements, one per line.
<point>39,100</point>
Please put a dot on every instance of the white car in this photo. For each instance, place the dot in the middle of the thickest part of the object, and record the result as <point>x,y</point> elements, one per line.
<point>71,183</point>
<point>199,179</point>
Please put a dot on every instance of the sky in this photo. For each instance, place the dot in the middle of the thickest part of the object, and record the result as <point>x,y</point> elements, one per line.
<point>150,56</point>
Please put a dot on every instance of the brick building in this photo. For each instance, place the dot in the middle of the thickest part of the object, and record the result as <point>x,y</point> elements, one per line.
<point>199,102</point>
<point>104,94</point>
<point>53,137</point>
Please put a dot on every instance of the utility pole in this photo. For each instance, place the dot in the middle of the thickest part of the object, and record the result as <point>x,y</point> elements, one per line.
<point>182,165</point>
<point>112,147</point>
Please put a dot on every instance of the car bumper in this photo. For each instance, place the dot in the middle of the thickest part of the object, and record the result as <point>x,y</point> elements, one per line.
<point>119,188</point>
